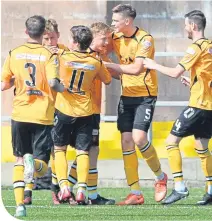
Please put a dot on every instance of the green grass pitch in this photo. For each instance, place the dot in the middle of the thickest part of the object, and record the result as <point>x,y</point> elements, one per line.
<point>43,209</point>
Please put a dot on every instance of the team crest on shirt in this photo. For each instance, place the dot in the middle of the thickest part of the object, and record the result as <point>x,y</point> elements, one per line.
<point>190,51</point>
<point>210,50</point>
<point>146,44</point>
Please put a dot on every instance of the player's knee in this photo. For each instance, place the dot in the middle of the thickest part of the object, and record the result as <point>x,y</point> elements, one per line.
<point>140,139</point>
<point>19,161</point>
<point>127,144</point>
<point>140,142</point>
<point>171,139</point>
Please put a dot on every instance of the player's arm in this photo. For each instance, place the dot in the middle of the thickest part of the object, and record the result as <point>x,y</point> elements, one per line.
<point>171,72</point>
<point>7,85</point>
<point>130,69</point>
<point>104,74</point>
<point>7,80</point>
<point>52,73</point>
<point>192,54</point>
<point>144,50</point>
<point>113,73</point>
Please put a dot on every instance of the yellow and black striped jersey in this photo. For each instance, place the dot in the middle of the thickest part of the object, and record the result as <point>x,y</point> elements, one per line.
<point>78,71</point>
<point>32,65</point>
<point>127,49</point>
<point>198,59</point>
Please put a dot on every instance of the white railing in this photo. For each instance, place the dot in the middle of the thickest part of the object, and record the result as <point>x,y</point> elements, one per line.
<point>158,104</point>
<point>106,118</point>
<point>169,54</point>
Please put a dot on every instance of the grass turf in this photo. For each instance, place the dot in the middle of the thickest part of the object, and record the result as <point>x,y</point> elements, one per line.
<point>43,209</point>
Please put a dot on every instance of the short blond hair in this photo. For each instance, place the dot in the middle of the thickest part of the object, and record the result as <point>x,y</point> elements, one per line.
<point>51,25</point>
<point>100,28</point>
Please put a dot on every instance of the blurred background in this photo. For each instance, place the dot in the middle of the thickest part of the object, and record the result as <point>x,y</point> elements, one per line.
<point>164,20</point>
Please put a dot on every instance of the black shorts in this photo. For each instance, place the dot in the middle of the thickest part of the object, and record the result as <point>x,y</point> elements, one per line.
<point>95,133</point>
<point>135,113</point>
<point>193,121</point>
<point>74,131</point>
<point>32,138</point>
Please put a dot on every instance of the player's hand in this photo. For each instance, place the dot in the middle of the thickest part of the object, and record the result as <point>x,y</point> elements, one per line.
<point>149,63</point>
<point>185,80</point>
<point>53,49</point>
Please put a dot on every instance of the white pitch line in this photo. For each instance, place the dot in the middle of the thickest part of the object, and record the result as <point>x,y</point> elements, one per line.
<point>134,207</point>
<point>34,199</point>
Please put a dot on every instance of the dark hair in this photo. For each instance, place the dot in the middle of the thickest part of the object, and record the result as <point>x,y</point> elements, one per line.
<point>82,35</point>
<point>126,9</point>
<point>198,18</point>
<point>35,26</point>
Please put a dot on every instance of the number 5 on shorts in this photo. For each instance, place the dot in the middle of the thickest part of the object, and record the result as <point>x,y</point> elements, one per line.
<point>148,114</point>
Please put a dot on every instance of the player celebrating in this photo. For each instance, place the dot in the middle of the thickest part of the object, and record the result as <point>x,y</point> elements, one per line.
<point>74,116</point>
<point>97,49</point>
<point>137,103</point>
<point>196,119</point>
<point>35,73</point>
<point>50,40</point>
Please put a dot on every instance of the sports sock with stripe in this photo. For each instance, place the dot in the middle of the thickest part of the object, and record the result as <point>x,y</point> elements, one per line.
<point>131,170</point>
<point>18,183</point>
<point>82,171</point>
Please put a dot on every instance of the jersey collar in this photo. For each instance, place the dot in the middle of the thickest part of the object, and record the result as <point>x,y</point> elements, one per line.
<point>133,34</point>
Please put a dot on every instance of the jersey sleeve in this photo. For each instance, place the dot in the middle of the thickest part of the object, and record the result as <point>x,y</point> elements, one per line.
<point>145,47</point>
<point>192,54</point>
<point>6,71</point>
<point>52,67</point>
<point>104,74</point>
